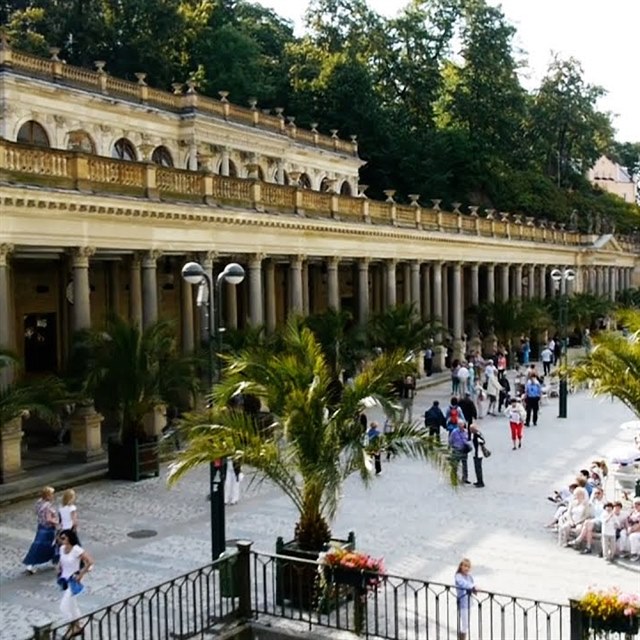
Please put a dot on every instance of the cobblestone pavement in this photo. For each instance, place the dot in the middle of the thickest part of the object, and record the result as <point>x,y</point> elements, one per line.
<point>409,515</point>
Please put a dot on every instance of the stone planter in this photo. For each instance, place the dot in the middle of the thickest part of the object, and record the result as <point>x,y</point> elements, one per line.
<point>296,582</point>
<point>155,421</point>
<point>11,450</point>
<point>86,434</point>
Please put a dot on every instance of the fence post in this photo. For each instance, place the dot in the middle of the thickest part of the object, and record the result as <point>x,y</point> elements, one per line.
<point>576,622</point>
<point>42,633</point>
<point>243,575</point>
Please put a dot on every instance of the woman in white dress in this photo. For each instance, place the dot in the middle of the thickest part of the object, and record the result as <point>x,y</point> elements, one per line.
<point>232,481</point>
<point>70,575</point>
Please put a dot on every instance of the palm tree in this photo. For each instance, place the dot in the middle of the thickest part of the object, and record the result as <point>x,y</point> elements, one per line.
<point>130,371</point>
<point>41,397</point>
<point>583,310</point>
<point>314,442</point>
<point>400,327</point>
<point>613,366</point>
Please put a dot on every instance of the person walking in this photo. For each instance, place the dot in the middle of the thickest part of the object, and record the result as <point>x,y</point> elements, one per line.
<point>43,547</point>
<point>516,414</point>
<point>434,419</point>
<point>232,481</point>
<point>460,447</point>
<point>68,511</point>
<point>373,442</point>
<point>478,443</point>
<point>532,394</point>
<point>465,588</point>
<point>407,394</point>
<point>74,565</point>
<point>547,360</point>
<point>428,361</point>
<point>468,408</point>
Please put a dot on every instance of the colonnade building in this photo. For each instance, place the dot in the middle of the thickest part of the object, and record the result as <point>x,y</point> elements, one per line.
<point>107,187</point>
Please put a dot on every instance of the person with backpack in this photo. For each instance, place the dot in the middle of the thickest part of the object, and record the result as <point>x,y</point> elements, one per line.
<point>454,415</point>
<point>434,419</point>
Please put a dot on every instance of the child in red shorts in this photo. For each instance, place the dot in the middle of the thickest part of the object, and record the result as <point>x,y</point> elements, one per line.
<point>516,414</point>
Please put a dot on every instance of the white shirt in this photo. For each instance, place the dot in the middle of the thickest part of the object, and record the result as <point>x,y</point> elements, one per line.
<point>70,562</point>
<point>609,521</point>
<point>463,373</point>
<point>490,371</point>
<point>546,355</point>
<point>66,516</point>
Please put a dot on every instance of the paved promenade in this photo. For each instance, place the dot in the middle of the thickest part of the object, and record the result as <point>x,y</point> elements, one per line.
<point>409,515</point>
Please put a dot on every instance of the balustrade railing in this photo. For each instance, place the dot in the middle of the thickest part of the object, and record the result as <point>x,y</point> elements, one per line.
<point>247,585</point>
<point>67,169</point>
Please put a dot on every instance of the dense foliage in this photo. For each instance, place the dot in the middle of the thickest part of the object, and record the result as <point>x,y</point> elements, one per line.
<point>433,94</point>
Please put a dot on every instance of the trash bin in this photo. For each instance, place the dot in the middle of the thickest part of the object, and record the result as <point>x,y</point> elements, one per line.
<point>228,574</point>
<point>638,488</point>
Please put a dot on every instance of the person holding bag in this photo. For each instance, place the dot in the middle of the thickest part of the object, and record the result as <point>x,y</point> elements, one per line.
<point>480,452</point>
<point>460,447</point>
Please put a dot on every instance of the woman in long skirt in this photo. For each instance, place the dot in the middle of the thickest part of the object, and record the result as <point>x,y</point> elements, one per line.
<point>43,548</point>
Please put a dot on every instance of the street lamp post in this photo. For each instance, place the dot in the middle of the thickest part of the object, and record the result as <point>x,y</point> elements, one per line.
<point>233,274</point>
<point>560,279</point>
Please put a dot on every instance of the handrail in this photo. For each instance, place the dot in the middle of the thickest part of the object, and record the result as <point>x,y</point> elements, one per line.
<point>62,169</point>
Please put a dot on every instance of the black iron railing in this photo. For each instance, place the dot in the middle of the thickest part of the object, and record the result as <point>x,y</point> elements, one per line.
<point>249,587</point>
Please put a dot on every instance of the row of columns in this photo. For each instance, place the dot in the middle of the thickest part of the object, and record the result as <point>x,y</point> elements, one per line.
<point>429,286</point>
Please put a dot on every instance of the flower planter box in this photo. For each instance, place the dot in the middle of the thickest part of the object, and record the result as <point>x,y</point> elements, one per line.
<point>582,624</point>
<point>297,582</point>
<point>134,459</point>
<point>347,577</point>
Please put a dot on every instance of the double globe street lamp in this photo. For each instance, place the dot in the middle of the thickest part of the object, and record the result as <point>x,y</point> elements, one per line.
<point>210,292</point>
<point>561,277</point>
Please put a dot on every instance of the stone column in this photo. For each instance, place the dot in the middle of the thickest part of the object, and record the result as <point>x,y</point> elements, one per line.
<point>542,281</point>
<point>445,296</point>
<point>206,260</point>
<point>531,282</point>
<point>186,299</point>
<point>295,280</point>
<point>81,315</point>
<point>6,341</point>
<point>612,283</point>
<point>599,281</point>
<point>363,291</point>
<point>230,307</point>
<point>224,164</point>
<point>415,285</point>
<point>390,277</point>
<point>475,284</point>
<point>270,295</point>
<point>406,283</point>
<point>333,283</point>
<point>458,311</point>
<point>256,313</point>
<point>426,292</point>
<point>439,351</point>
<point>491,282</point>
<point>504,282</point>
<point>280,172</point>
<point>149,288</point>
<point>376,288</point>
<point>306,305</point>
<point>135,291</point>
<point>518,280</point>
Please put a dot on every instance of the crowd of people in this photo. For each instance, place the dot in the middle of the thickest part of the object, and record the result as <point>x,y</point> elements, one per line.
<point>583,515</point>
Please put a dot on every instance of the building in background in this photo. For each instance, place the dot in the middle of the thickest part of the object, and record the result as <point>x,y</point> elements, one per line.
<point>614,178</point>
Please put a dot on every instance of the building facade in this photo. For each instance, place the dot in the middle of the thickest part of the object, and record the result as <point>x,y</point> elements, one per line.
<point>108,187</point>
<point>613,178</point>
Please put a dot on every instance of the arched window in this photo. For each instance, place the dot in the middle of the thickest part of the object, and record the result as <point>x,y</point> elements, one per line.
<point>162,156</point>
<point>33,132</point>
<point>233,170</point>
<point>305,181</point>
<point>261,174</point>
<point>124,150</point>
<point>81,141</point>
<point>325,184</point>
<point>345,189</point>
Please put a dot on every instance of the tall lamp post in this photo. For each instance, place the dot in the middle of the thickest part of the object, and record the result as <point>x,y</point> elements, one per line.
<point>233,274</point>
<point>560,278</point>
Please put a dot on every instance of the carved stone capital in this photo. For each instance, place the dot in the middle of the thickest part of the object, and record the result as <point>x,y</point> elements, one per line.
<point>255,260</point>
<point>207,258</point>
<point>150,258</point>
<point>6,250</point>
<point>80,257</point>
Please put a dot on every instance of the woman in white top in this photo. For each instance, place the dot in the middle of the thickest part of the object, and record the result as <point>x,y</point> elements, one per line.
<point>68,511</point>
<point>578,511</point>
<point>70,575</point>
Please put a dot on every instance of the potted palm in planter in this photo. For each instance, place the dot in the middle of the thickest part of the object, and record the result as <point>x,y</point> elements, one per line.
<point>131,373</point>
<point>314,443</point>
<point>18,399</point>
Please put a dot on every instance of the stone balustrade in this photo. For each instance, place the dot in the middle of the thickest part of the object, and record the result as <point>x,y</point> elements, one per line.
<point>101,82</point>
<point>57,168</point>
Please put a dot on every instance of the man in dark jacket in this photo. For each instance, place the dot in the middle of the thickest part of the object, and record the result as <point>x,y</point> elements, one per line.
<point>434,419</point>
<point>468,408</point>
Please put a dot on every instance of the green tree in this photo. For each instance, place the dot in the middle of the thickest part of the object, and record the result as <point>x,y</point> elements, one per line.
<point>401,328</point>
<point>314,443</point>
